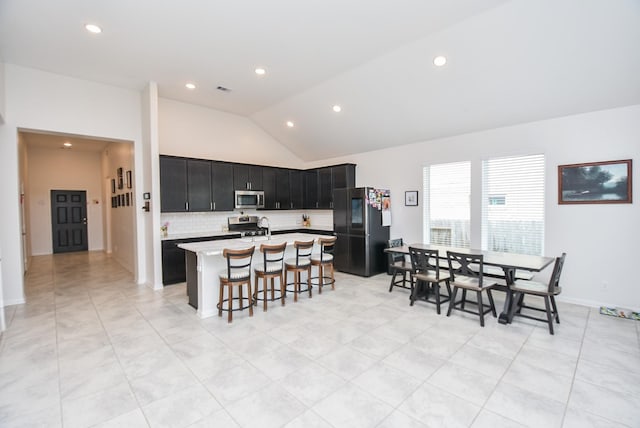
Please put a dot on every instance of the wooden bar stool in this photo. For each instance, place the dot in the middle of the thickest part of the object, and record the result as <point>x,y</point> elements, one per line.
<point>237,274</point>
<point>272,267</point>
<point>301,263</point>
<point>324,261</point>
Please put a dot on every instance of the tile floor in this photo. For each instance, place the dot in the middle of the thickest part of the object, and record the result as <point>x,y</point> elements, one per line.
<point>90,348</point>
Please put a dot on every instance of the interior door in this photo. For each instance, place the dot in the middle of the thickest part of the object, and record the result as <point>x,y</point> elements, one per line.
<point>69,220</point>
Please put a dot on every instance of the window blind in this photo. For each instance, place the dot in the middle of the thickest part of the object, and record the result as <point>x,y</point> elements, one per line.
<point>447,189</point>
<point>513,204</point>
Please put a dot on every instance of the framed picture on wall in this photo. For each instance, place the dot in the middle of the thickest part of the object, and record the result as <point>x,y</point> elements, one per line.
<point>120,179</point>
<point>595,183</point>
<point>114,203</point>
<point>113,185</point>
<point>126,198</point>
<point>129,182</point>
<point>411,198</point>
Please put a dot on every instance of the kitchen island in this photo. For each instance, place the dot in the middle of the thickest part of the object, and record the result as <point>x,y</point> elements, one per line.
<point>205,261</point>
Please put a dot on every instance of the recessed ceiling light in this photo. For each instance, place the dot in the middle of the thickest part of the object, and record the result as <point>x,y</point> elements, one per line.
<point>290,124</point>
<point>439,61</point>
<point>67,145</point>
<point>190,86</point>
<point>93,28</point>
<point>261,71</point>
<point>337,108</point>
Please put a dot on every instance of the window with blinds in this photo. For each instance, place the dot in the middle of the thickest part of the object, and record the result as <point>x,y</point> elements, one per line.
<point>447,189</point>
<point>513,204</point>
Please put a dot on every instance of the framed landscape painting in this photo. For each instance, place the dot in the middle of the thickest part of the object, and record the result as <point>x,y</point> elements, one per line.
<point>595,183</point>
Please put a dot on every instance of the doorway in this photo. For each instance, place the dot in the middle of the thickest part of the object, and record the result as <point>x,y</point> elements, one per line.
<point>69,220</point>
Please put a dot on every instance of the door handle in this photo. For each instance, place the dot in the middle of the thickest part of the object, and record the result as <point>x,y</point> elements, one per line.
<point>84,220</point>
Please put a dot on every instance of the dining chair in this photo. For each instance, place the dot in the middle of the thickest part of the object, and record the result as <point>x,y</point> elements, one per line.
<point>522,288</point>
<point>271,268</point>
<point>297,265</point>
<point>237,274</point>
<point>323,260</point>
<point>398,264</point>
<point>465,277</point>
<point>427,277</point>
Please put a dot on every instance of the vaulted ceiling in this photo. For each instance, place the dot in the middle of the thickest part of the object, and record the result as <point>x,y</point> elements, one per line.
<point>508,62</point>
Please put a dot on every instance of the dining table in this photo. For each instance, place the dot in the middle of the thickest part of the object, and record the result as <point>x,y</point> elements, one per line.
<point>510,264</point>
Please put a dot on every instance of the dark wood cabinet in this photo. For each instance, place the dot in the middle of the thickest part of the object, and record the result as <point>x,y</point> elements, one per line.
<point>310,183</point>
<point>199,185</point>
<point>296,185</point>
<point>173,264</point>
<point>247,177</point>
<point>222,186</point>
<point>173,184</point>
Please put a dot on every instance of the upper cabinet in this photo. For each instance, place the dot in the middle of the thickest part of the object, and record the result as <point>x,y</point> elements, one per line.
<point>195,185</point>
<point>198,185</point>
<point>173,184</point>
<point>247,177</point>
<point>320,183</point>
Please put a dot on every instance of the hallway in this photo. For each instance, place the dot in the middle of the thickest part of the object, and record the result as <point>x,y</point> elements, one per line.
<point>91,348</point>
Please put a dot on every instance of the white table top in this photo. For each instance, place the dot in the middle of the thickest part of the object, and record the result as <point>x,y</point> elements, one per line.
<point>213,248</point>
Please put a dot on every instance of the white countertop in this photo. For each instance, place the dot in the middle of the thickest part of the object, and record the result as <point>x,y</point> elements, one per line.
<point>173,236</point>
<point>212,248</point>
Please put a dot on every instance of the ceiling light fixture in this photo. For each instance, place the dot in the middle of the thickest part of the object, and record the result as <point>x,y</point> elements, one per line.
<point>261,71</point>
<point>67,145</point>
<point>337,108</point>
<point>290,124</point>
<point>93,28</point>
<point>439,61</point>
<point>190,85</point>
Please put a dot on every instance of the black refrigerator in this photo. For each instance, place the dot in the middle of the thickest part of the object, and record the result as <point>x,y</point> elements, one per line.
<point>358,225</point>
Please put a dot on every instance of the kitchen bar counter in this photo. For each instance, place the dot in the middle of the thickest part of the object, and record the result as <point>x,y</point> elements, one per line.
<point>231,235</point>
<point>208,261</point>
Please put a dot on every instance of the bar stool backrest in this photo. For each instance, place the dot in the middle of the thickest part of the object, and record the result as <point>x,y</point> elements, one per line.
<point>238,263</point>
<point>273,257</point>
<point>303,252</point>
<point>327,245</point>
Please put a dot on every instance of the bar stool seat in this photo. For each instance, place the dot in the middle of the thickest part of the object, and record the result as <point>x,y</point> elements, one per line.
<point>237,274</point>
<point>323,260</point>
<point>297,265</point>
<point>271,268</point>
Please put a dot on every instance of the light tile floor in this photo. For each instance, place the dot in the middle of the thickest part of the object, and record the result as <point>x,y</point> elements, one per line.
<point>91,348</point>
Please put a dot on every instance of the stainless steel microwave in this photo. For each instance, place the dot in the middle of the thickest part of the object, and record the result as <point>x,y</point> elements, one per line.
<point>249,199</point>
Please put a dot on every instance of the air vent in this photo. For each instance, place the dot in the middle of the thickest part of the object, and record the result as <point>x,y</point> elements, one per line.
<point>223,89</point>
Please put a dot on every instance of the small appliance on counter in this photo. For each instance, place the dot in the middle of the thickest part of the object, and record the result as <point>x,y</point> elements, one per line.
<point>361,220</point>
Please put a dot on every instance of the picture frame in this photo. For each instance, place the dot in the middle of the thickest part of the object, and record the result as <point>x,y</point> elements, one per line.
<point>608,182</point>
<point>126,198</point>
<point>120,179</point>
<point>114,203</point>
<point>411,198</point>
<point>129,182</point>
<point>113,185</point>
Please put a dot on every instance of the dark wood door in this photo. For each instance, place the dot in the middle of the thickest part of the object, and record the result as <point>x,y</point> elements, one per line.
<point>325,187</point>
<point>173,184</point>
<point>222,186</point>
<point>69,220</point>
<point>296,186</point>
<point>311,188</point>
<point>270,188</point>
<point>199,185</point>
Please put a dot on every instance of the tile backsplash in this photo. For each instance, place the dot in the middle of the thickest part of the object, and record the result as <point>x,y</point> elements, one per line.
<point>180,223</point>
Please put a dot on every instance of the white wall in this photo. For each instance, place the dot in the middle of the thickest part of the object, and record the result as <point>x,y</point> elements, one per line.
<point>57,169</point>
<point>600,240</point>
<point>38,100</point>
<point>121,219</point>
<point>2,94</point>
<point>199,132</point>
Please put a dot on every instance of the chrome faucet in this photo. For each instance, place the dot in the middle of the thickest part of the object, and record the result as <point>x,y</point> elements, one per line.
<point>262,221</point>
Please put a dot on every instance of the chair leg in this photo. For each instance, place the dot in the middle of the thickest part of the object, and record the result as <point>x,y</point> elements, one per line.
<point>320,278</point>
<point>296,285</point>
<point>480,308</point>
<point>333,278</point>
<point>220,298</point>
<point>436,288</point>
<point>514,305</point>
<point>273,288</point>
<point>549,316</point>
<point>309,281</point>
<point>283,287</point>
<point>250,298</point>
<point>264,294</point>
<point>240,296</point>
<point>453,300</point>
<point>414,292</point>
<point>491,303</point>
<point>464,298</point>
<point>555,308</point>
<point>393,280</point>
<point>230,305</point>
